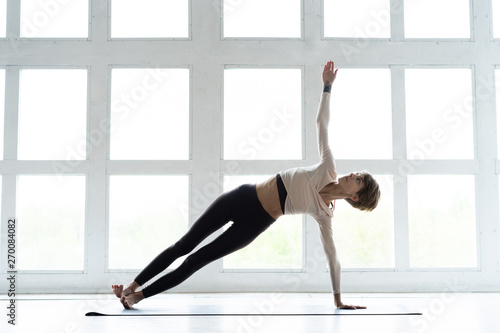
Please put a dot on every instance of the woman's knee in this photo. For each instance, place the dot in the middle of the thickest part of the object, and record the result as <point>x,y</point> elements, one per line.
<point>182,247</point>
<point>192,263</point>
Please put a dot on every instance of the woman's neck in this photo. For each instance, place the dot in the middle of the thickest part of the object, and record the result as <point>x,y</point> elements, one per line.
<point>333,191</point>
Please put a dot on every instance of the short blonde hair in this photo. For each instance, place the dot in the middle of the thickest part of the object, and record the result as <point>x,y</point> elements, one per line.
<point>369,195</point>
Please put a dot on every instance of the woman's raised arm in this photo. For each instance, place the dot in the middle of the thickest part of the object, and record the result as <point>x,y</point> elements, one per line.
<point>323,117</point>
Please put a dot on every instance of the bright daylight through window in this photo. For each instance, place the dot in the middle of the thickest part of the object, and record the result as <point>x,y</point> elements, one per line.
<point>270,111</point>
<point>2,108</point>
<point>3,18</point>
<point>495,4</point>
<point>367,240</point>
<point>54,19</point>
<point>149,19</point>
<point>152,207</point>
<point>149,114</point>
<point>366,122</point>
<point>454,12</point>
<point>439,126</point>
<point>53,114</point>
<point>240,18</point>
<point>442,223</point>
<point>357,19</point>
<point>51,236</point>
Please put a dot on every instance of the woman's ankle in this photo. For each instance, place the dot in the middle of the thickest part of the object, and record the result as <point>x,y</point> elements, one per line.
<point>135,285</point>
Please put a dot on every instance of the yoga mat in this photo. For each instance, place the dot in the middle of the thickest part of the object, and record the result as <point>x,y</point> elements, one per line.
<point>166,308</point>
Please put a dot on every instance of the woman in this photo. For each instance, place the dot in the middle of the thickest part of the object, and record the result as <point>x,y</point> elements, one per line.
<point>253,208</point>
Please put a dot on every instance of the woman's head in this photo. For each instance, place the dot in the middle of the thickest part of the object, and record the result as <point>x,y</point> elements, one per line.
<point>368,196</point>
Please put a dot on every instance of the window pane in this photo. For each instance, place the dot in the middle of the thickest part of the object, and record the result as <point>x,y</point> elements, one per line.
<point>262,116</point>
<point>496,18</point>
<point>53,114</point>
<point>442,225</point>
<point>280,246</point>
<point>439,126</point>
<point>2,108</point>
<point>258,18</point>
<point>150,114</point>
<point>149,18</point>
<point>3,18</point>
<point>6,233</point>
<point>57,19</point>
<point>497,87</point>
<point>51,218</point>
<point>361,128</point>
<point>443,19</point>
<point>366,240</point>
<point>147,214</point>
<point>357,19</point>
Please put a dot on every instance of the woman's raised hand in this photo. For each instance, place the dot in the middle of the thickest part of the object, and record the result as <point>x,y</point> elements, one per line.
<point>329,73</point>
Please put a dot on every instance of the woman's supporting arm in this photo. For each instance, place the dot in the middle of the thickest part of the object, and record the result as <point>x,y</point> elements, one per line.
<point>326,234</point>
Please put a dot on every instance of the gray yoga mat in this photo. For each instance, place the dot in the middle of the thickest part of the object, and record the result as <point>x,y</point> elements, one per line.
<point>166,308</point>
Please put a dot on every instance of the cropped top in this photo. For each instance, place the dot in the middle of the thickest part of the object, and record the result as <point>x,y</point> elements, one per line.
<point>281,192</point>
<point>303,185</point>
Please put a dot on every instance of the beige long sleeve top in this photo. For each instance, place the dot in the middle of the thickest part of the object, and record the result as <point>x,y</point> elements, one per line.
<point>304,183</point>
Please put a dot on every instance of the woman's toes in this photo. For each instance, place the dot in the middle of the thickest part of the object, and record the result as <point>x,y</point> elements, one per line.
<point>117,290</point>
<point>123,300</point>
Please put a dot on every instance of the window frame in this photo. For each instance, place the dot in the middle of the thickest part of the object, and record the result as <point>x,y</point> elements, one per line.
<point>98,54</point>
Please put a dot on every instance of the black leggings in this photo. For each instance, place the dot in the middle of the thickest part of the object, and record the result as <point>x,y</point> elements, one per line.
<point>250,219</point>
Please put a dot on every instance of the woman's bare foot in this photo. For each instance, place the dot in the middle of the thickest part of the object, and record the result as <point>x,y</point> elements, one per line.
<point>117,290</point>
<point>121,292</point>
<point>131,299</point>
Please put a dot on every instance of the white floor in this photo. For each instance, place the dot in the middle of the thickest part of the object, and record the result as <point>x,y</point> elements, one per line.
<point>462,312</point>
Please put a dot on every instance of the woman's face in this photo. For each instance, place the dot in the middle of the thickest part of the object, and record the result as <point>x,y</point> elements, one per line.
<point>352,183</point>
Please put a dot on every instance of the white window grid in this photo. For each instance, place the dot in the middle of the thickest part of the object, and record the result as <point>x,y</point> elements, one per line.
<point>310,52</point>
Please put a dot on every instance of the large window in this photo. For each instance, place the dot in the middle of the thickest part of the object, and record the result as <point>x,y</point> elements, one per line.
<point>51,215</point>
<point>439,126</point>
<point>361,115</point>
<point>54,19</point>
<point>454,12</point>
<point>149,114</point>
<point>442,221</point>
<point>357,19</point>
<point>2,108</point>
<point>258,18</point>
<point>366,240</point>
<point>262,116</point>
<point>121,121</point>
<point>3,18</point>
<point>497,99</point>
<point>146,215</point>
<point>52,114</point>
<point>495,15</point>
<point>149,19</point>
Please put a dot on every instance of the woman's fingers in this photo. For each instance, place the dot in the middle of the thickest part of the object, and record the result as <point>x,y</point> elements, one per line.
<point>352,307</point>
